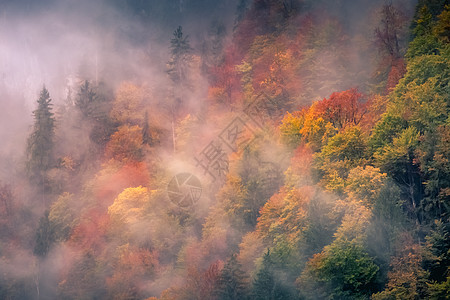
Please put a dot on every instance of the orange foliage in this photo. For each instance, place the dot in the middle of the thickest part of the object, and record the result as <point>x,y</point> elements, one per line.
<point>126,144</point>
<point>226,85</point>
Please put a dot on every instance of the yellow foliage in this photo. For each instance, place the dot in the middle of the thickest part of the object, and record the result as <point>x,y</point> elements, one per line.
<point>128,105</point>
<point>129,206</point>
<point>355,222</point>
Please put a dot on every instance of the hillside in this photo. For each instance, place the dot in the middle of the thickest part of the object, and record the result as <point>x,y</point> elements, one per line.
<point>264,149</point>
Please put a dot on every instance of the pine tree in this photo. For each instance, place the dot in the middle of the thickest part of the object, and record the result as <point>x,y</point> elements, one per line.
<point>86,100</point>
<point>178,69</point>
<point>180,59</point>
<point>45,236</point>
<point>232,281</point>
<point>266,285</point>
<point>264,281</point>
<point>146,137</point>
<point>40,142</point>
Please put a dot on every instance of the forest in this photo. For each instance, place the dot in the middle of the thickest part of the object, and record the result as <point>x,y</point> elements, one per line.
<point>225,150</point>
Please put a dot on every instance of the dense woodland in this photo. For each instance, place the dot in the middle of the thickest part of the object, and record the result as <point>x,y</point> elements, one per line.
<point>336,186</point>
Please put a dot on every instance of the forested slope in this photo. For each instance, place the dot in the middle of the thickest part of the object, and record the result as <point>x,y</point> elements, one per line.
<point>311,149</point>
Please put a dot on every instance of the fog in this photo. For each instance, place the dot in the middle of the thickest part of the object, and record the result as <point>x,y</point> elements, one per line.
<point>60,44</point>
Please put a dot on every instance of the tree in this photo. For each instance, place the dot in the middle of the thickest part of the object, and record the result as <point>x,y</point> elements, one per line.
<point>212,48</point>
<point>232,284</point>
<point>45,236</point>
<point>128,207</point>
<point>146,135</point>
<point>290,129</point>
<point>343,152</point>
<point>267,285</point>
<point>87,100</point>
<point>344,270</point>
<point>406,277</point>
<point>397,159</point>
<point>128,105</point>
<point>180,59</point>
<point>437,252</point>
<point>94,106</point>
<point>62,216</point>
<point>178,69</point>
<point>6,200</point>
<point>126,144</point>
<point>388,35</point>
<point>343,109</point>
<point>40,142</point>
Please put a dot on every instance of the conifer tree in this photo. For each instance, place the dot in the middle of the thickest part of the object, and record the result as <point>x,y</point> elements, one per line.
<point>232,281</point>
<point>146,137</point>
<point>178,69</point>
<point>180,58</point>
<point>266,285</point>
<point>45,235</point>
<point>40,142</point>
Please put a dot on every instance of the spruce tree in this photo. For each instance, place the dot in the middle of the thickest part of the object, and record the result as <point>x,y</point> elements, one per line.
<point>232,281</point>
<point>146,137</point>
<point>45,236</point>
<point>266,285</point>
<point>180,58</point>
<point>86,100</point>
<point>40,142</point>
<point>178,68</point>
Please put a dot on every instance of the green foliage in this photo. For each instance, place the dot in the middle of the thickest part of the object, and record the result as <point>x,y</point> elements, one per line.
<point>268,283</point>
<point>62,216</point>
<point>385,130</point>
<point>178,65</point>
<point>233,282</point>
<point>437,291</point>
<point>87,101</point>
<point>41,141</point>
<point>423,22</point>
<point>290,130</point>
<point>395,157</point>
<point>344,270</point>
<point>85,279</point>
<point>94,105</point>
<point>261,180</point>
<point>442,28</point>
<point>437,252</point>
<point>349,145</point>
<point>45,236</point>
<point>343,152</point>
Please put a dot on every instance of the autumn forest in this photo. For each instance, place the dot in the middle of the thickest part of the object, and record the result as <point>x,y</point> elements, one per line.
<point>225,150</point>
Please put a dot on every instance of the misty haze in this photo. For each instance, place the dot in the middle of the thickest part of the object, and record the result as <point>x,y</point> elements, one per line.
<point>229,149</point>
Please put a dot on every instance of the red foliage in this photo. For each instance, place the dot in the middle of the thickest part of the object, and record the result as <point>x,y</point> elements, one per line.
<point>225,77</point>
<point>398,69</point>
<point>203,284</point>
<point>343,108</point>
<point>301,162</point>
